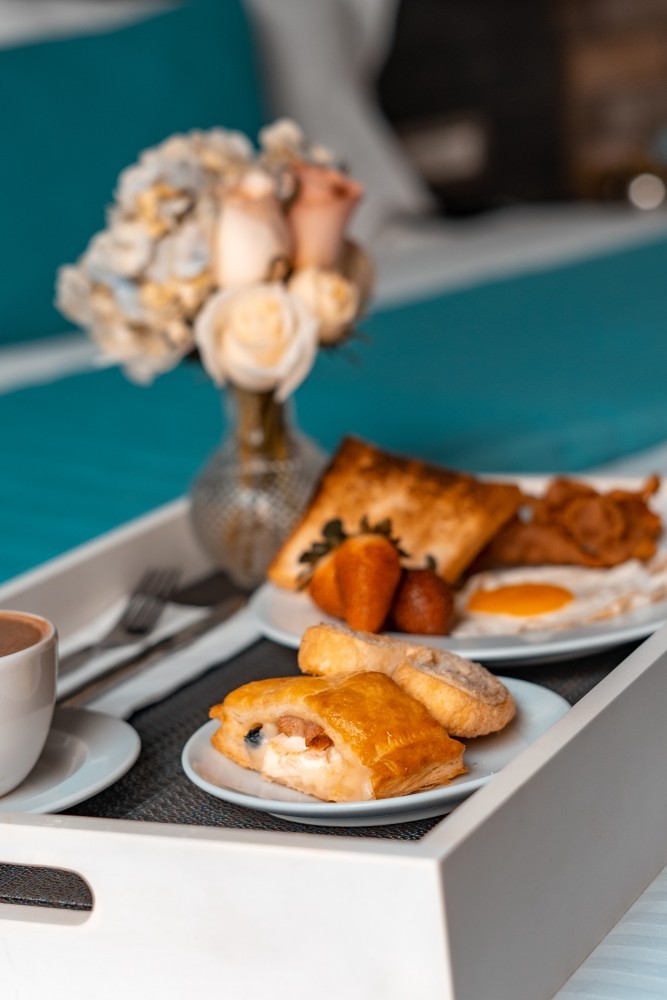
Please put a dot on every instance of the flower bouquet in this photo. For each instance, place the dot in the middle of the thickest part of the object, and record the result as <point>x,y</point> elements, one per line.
<point>239,258</point>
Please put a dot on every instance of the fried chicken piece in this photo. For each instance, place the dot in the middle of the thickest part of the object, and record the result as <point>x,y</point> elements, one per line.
<point>574,524</point>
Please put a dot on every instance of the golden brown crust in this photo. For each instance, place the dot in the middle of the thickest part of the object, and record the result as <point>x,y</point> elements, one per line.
<point>460,712</point>
<point>373,724</point>
<point>334,650</point>
<point>461,695</point>
<point>448,515</point>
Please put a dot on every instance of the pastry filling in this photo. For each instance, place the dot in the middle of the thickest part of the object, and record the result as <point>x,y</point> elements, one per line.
<point>299,754</point>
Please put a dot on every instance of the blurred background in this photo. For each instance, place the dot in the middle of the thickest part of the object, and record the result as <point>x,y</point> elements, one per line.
<point>552,99</point>
<point>446,109</point>
<point>514,158</point>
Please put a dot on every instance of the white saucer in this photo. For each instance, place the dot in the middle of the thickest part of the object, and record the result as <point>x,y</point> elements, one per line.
<point>85,752</point>
<point>537,709</point>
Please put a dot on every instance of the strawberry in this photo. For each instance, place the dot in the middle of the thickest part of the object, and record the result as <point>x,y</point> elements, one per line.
<point>323,586</point>
<point>424,604</point>
<point>368,571</point>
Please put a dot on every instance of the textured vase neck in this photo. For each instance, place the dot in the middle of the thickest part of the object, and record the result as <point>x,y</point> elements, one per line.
<point>254,488</point>
<point>259,424</point>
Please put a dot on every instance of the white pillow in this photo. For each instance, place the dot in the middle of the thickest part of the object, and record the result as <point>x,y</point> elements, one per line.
<point>319,60</point>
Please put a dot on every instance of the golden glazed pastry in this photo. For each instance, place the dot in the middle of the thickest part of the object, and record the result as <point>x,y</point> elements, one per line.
<point>342,739</point>
<point>434,512</point>
<point>461,695</point>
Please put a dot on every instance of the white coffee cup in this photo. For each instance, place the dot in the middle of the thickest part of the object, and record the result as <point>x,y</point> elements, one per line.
<point>28,674</point>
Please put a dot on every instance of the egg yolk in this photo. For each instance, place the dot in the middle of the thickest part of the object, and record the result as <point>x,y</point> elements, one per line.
<point>520,599</point>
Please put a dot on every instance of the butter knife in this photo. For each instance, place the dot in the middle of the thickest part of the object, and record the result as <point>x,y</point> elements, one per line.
<point>122,671</point>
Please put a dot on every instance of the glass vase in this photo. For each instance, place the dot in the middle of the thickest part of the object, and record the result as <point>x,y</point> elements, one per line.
<point>254,487</point>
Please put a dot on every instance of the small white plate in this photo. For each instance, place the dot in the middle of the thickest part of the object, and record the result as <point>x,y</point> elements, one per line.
<point>85,752</point>
<point>283,616</point>
<point>537,709</point>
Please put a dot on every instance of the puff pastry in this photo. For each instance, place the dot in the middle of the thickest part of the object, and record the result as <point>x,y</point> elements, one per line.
<point>342,739</point>
<point>461,695</point>
<point>433,511</point>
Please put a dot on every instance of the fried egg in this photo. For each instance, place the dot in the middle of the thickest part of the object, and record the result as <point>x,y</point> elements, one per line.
<point>507,601</point>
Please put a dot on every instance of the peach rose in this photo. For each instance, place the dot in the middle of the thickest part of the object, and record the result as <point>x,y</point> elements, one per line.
<point>324,201</point>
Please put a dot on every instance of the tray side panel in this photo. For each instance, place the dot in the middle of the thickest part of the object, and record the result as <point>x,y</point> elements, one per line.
<point>180,914</point>
<point>531,889</point>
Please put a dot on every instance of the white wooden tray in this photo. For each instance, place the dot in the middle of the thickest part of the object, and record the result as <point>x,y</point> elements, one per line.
<point>502,900</point>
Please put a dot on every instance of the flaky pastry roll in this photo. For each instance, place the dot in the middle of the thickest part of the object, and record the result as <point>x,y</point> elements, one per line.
<point>342,739</point>
<point>461,695</point>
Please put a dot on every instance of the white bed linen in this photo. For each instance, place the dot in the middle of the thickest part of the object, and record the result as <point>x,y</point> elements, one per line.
<point>25,21</point>
<point>630,963</point>
<point>420,258</point>
<point>42,361</point>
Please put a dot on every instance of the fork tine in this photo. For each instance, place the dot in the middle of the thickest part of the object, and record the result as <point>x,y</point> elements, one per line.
<point>148,600</point>
<point>150,582</point>
<point>145,617</point>
<point>159,582</point>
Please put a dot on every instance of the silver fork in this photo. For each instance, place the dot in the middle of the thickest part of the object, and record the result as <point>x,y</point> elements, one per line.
<point>139,617</point>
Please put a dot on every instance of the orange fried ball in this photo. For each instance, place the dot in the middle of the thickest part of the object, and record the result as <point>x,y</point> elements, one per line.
<point>323,587</point>
<point>424,604</point>
<point>368,571</point>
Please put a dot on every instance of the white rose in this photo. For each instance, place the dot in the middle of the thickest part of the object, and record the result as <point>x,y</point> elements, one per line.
<point>260,338</point>
<point>253,233</point>
<point>333,299</point>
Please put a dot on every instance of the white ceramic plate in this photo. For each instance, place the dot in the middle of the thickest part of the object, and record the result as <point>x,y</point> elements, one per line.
<point>537,709</point>
<point>85,752</point>
<point>283,615</point>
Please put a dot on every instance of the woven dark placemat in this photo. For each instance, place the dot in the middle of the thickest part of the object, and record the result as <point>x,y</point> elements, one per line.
<point>157,789</point>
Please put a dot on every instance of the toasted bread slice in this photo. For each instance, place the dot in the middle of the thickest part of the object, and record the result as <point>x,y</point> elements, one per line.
<point>433,511</point>
<point>465,698</point>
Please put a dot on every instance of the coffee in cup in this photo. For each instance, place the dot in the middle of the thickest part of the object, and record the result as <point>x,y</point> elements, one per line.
<point>18,631</point>
<point>28,674</point>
